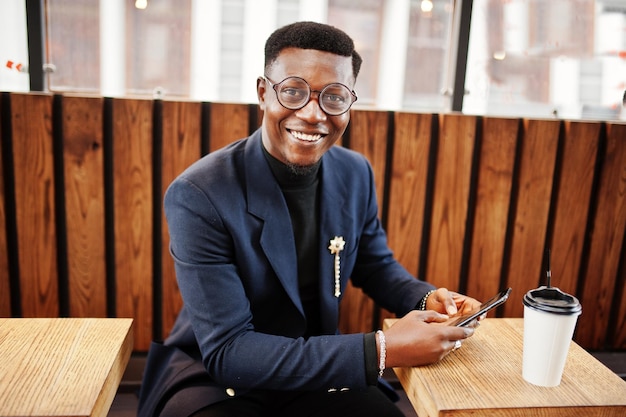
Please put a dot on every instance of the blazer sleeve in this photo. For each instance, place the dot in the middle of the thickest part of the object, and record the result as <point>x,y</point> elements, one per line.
<point>234,352</point>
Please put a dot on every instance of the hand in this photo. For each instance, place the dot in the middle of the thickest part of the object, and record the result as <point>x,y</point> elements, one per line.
<point>450,302</point>
<point>414,339</point>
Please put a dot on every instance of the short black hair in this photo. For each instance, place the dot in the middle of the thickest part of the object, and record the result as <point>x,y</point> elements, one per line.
<point>312,35</point>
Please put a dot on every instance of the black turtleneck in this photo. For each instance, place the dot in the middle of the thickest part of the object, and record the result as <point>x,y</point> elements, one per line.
<point>300,190</point>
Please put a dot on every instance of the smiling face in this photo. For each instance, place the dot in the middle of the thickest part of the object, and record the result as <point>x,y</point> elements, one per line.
<point>300,138</point>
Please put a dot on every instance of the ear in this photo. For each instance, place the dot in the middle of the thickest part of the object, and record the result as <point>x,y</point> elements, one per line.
<point>261,85</point>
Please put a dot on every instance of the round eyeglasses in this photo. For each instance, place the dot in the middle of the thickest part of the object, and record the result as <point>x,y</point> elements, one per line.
<point>294,93</point>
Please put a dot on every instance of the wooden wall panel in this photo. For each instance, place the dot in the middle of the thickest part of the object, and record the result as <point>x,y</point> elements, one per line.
<point>83,163</point>
<point>578,162</point>
<point>5,287</point>
<point>229,122</point>
<point>355,311</point>
<point>605,249</point>
<point>485,205</point>
<point>407,193</point>
<point>450,202</point>
<point>493,195</point>
<point>408,183</point>
<point>536,172</point>
<point>181,147</point>
<point>368,136</point>
<point>34,202</point>
<point>132,177</point>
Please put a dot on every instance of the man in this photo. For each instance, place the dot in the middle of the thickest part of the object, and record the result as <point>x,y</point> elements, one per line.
<point>265,234</point>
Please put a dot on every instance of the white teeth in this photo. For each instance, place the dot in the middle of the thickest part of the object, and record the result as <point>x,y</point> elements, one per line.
<point>306,136</point>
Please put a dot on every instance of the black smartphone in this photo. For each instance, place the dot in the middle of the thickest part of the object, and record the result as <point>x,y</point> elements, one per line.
<point>494,302</point>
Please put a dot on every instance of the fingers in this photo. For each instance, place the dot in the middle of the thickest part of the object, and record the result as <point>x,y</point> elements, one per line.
<point>431,316</point>
<point>456,344</point>
<point>466,304</point>
<point>443,301</point>
<point>427,316</point>
<point>419,339</point>
<point>452,339</point>
<point>459,333</point>
<point>448,301</point>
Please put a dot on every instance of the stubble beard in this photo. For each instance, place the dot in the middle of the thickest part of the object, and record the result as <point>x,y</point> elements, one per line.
<point>301,170</point>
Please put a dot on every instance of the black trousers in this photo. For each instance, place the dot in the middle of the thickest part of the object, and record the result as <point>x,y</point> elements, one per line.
<point>368,403</point>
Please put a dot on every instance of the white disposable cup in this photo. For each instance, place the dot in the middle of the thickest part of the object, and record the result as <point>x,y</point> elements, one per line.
<point>550,318</point>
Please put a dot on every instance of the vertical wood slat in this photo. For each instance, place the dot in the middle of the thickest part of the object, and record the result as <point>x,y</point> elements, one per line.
<point>5,287</point>
<point>407,194</point>
<point>495,181</point>
<point>368,135</point>
<point>355,311</point>
<point>450,203</point>
<point>132,193</point>
<point>606,247</point>
<point>83,163</point>
<point>34,201</point>
<point>578,160</point>
<point>229,122</point>
<point>181,147</point>
<point>536,171</point>
<point>618,340</point>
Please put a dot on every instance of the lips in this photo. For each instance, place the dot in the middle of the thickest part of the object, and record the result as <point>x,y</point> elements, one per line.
<point>307,137</point>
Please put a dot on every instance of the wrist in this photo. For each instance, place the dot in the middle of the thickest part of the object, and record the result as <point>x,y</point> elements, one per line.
<point>424,300</point>
<point>381,344</point>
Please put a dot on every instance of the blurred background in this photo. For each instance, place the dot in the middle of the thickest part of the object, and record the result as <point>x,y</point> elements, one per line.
<point>528,58</point>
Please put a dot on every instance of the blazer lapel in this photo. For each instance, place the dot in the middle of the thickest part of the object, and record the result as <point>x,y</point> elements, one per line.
<point>334,222</point>
<point>266,201</point>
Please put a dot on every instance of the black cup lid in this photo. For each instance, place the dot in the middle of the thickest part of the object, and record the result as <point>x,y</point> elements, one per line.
<point>552,300</point>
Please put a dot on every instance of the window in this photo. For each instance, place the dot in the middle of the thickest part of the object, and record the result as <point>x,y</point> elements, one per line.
<point>429,62</point>
<point>363,21</point>
<point>13,47</point>
<point>539,58</point>
<point>74,60</point>
<point>121,48</point>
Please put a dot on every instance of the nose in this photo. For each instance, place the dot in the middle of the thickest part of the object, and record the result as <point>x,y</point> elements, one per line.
<point>312,112</point>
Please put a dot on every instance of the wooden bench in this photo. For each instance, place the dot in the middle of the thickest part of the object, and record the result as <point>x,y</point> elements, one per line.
<point>470,203</point>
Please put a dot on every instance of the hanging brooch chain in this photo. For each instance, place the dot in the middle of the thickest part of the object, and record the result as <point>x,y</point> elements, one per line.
<point>336,245</point>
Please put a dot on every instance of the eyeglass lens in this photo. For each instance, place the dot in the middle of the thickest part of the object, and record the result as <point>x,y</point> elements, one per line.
<point>294,93</point>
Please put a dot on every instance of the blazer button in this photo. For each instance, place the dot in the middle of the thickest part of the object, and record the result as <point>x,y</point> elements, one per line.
<point>230,392</point>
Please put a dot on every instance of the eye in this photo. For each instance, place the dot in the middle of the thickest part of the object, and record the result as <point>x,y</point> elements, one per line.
<point>293,92</point>
<point>334,99</point>
<point>293,95</point>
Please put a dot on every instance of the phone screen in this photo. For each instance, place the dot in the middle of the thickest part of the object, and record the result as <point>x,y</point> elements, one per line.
<point>494,302</point>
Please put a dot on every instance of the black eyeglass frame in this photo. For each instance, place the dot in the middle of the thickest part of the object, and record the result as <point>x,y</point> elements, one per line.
<point>308,99</point>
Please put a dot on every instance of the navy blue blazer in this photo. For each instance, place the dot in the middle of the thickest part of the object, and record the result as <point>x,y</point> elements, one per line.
<point>242,322</point>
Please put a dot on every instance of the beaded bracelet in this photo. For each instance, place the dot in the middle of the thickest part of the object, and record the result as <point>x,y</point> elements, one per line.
<point>383,352</point>
<point>424,299</point>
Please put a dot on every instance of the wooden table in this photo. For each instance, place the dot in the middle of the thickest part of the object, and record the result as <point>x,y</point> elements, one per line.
<point>484,377</point>
<point>62,366</point>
